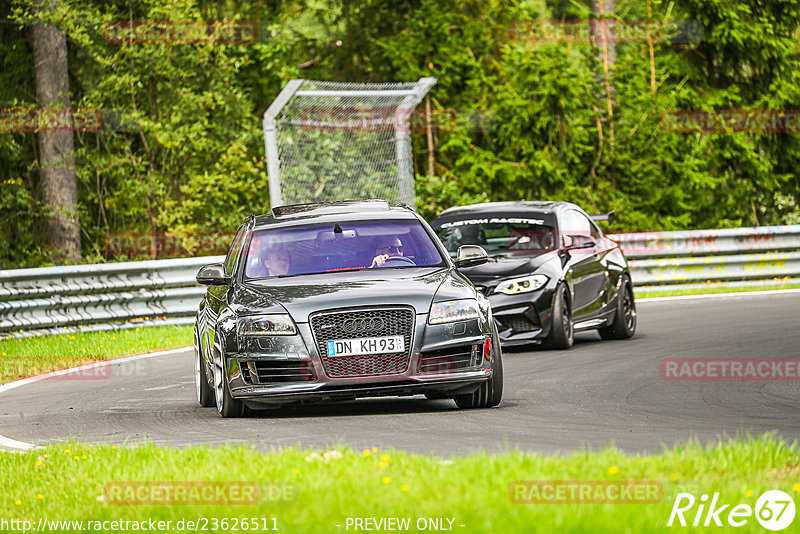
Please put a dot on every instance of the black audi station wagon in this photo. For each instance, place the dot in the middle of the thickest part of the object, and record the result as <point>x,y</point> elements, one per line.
<point>340,300</point>
<point>551,270</point>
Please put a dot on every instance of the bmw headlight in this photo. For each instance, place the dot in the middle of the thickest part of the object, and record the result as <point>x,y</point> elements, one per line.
<point>521,285</point>
<point>279,324</point>
<point>454,310</point>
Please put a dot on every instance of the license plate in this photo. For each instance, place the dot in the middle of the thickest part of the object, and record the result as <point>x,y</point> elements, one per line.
<point>366,345</point>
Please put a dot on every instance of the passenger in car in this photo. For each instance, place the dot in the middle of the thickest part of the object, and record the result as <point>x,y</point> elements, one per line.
<point>278,261</point>
<point>275,262</point>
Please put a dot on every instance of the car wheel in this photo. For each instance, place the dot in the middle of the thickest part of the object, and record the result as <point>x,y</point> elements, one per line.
<point>227,406</point>
<point>561,334</point>
<point>491,392</point>
<point>624,324</point>
<point>205,395</point>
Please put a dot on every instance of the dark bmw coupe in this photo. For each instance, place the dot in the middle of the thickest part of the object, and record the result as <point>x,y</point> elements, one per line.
<point>551,271</point>
<point>334,301</point>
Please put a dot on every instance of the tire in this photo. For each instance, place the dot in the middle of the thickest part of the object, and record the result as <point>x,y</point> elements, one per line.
<point>491,392</point>
<point>227,406</point>
<point>624,324</point>
<point>561,334</point>
<point>205,395</point>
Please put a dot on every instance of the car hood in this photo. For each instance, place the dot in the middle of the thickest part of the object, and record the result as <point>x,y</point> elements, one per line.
<point>507,266</point>
<point>304,295</point>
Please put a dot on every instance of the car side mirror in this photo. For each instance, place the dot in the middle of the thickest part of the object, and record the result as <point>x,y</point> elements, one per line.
<point>580,242</point>
<point>212,274</point>
<point>470,256</point>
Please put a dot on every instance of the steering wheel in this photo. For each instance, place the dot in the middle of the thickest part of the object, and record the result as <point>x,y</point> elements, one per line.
<point>398,261</point>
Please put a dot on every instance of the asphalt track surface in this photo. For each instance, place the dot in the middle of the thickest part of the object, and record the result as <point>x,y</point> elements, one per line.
<point>597,393</point>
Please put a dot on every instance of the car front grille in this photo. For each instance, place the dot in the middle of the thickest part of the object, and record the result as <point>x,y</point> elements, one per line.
<point>518,322</point>
<point>449,360</point>
<point>327,326</point>
<point>277,371</point>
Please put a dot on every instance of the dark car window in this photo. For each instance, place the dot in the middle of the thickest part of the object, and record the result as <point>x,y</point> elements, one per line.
<point>508,235</point>
<point>347,245</point>
<point>576,223</point>
<point>596,233</point>
<point>573,222</point>
<point>234,252</point>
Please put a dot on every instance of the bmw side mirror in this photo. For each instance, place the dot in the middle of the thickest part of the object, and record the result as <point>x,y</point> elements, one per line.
<point>470,256</point>
<point>580,242</point>
<point>212,274</point>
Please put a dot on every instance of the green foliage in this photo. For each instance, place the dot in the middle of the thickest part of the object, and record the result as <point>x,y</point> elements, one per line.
<point>191,158</point>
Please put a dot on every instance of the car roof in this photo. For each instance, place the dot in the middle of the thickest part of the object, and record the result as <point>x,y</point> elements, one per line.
<point>520,206</point>
<point>333,211</point>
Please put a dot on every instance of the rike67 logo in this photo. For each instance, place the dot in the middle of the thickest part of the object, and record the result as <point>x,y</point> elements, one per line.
<point>774,510</point>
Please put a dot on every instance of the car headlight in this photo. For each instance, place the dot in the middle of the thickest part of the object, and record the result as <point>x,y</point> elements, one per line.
<point>279,324</point>
<point>521,285</point>
<point>454,310</point>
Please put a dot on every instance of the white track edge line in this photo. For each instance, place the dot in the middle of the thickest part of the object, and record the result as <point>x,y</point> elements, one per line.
<point>12,445</point>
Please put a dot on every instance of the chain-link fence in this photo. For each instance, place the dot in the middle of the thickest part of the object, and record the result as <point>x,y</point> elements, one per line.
<point>337,141</point>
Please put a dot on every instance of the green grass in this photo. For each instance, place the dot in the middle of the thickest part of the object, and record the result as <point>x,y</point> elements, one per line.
<point>313,494</point>
<point>652,293</point>
<point>32,356</point>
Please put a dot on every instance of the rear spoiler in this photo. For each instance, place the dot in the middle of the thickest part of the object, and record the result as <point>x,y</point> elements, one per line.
<point>608,217</point>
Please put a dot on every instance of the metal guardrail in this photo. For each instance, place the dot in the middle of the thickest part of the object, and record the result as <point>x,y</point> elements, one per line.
<point>92,297</point>
<point>668,271</point>
<point>703,256</point>
<point>85,294</point>
<point>709,242</point>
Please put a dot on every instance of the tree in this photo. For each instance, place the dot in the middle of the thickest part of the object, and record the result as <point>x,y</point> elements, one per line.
<point>530,115</point>
<point>56,154</point>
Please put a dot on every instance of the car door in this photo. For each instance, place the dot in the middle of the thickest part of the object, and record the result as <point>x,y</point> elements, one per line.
<point>216,296</point>
<point>585,267</point>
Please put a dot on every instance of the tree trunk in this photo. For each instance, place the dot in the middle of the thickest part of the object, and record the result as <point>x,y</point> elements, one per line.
<point>429,135</point>
<point>603,11</point>
<point>650,48</point>
<point>606,28</point>
<point>57,158</point>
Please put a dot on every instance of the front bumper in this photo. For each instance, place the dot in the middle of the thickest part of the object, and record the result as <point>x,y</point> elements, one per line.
<point>446,359</point>
<point>464,382</point>
<point>523,318</point>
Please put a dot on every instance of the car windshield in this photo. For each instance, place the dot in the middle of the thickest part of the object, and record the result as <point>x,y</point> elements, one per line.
<point>342,246</point>
<point>500,235</point>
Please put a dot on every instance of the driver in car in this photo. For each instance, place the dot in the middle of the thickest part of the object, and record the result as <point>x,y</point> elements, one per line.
<point>390,248</point>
